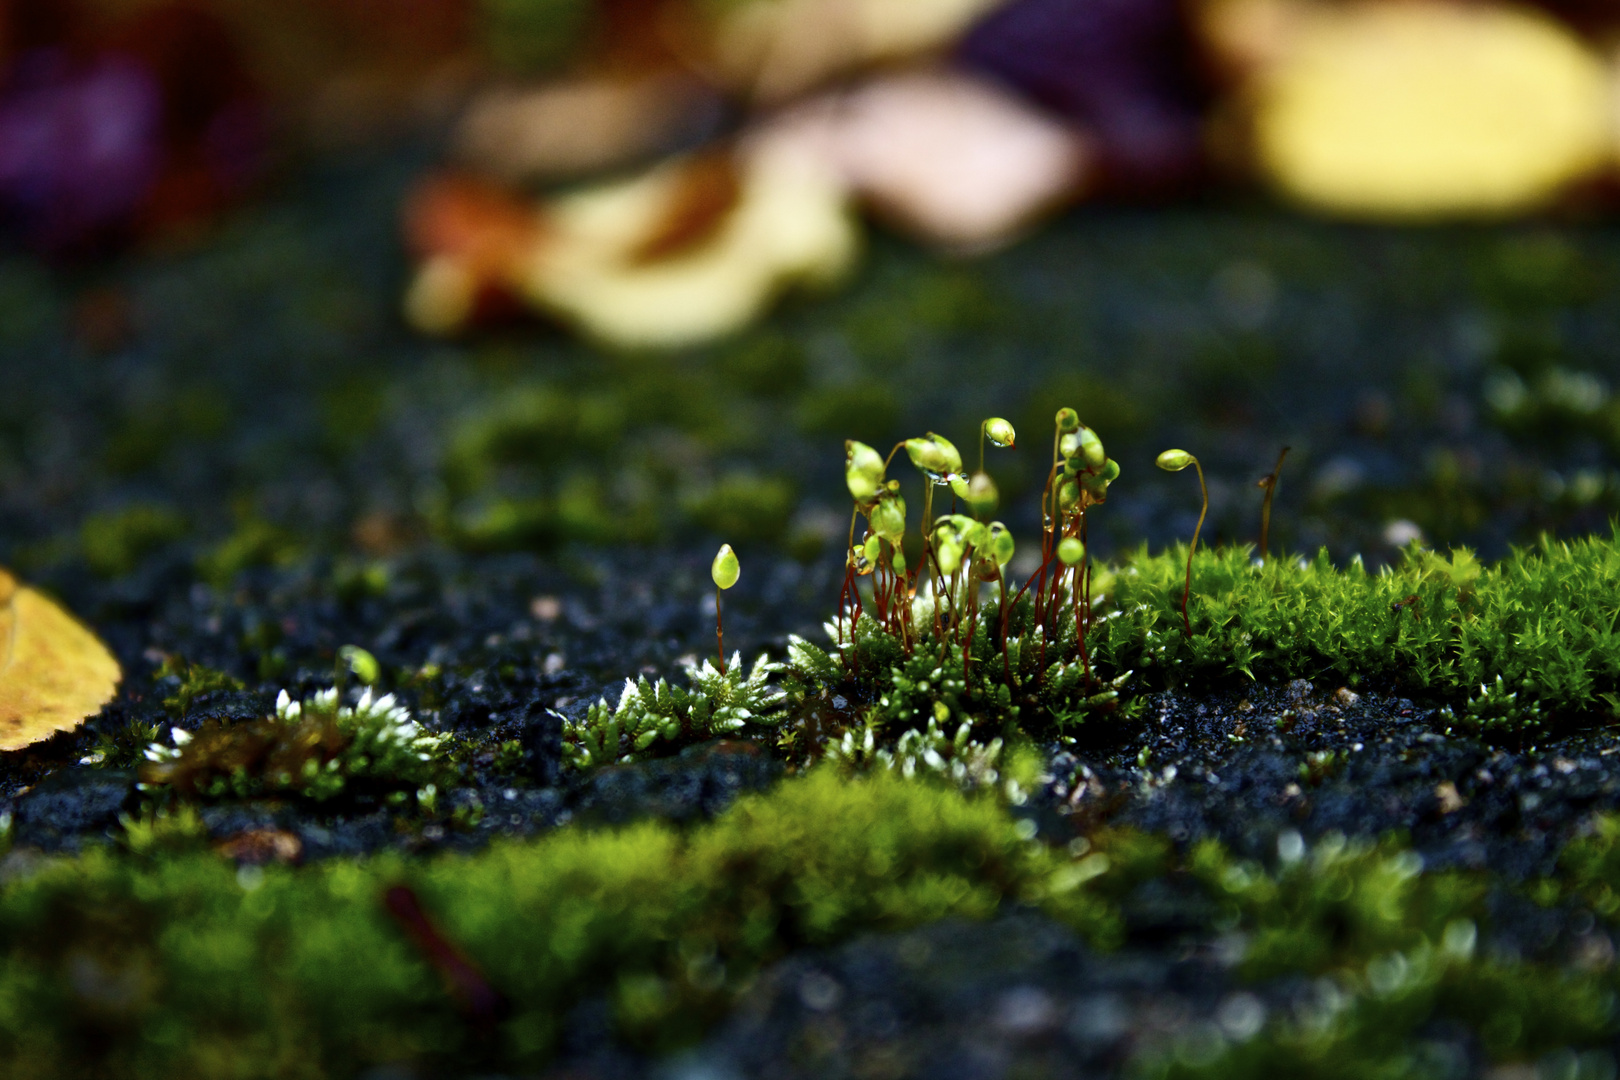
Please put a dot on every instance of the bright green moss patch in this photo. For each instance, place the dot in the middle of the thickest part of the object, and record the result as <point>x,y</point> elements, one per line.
<point>1590,868</point>
<point>1375,899</point>
<point>1510,647</point>
<point>1508,643</point>
<point>120,965</point>
<point>1371,1023</point>
<point>1392,951</point>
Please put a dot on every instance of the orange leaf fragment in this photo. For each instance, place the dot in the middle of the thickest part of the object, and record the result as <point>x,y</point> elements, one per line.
<point>54,673</point>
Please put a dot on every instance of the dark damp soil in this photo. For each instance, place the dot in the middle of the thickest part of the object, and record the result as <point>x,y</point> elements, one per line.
<point>1244,766</point>
<point>1043,1004</point>
<point>261,466</point>
<point>515,639</point>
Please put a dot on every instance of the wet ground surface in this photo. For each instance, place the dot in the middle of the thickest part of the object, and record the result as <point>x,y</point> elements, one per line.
<point>1044,1004</point>
<point>519,638</point>
<point>1245,767</point>
<point>237,456</point>
<point>1251,766</point>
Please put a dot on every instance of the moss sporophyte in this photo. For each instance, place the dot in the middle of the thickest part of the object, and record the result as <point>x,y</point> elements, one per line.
<point>923,665</point>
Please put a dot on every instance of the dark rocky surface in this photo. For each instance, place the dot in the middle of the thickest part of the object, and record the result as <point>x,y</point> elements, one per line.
<point>1042,1004</point>
<point>1246,766</point>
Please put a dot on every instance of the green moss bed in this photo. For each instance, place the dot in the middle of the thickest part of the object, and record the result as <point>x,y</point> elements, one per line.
<point>1361,821</point>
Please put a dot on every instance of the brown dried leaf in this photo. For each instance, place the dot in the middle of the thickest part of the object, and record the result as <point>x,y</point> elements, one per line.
<point>54,673</point>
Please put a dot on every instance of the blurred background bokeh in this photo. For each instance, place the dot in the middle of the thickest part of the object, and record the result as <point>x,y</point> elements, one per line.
<point>345,277</point>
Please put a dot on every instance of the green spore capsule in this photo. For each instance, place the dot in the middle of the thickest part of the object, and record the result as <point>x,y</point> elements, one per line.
<point>963,528</point>
<point>1091,448</point>
<point>1000,432</point>
<point>725,569</point>
<point>888,517</point>
<point>982,495</point>
<point>935,457</point>
<point>873,549</point>
<point>979,493</point>
<point>1000,543</point>
<point>361,663</point>
<point>1174,460</point>
<point>1109,472</point>
<point>1069,495</point>
<point>1071,550</point>
<point>976,534</point>
<point>1067,420</point>
<point>863,470</point>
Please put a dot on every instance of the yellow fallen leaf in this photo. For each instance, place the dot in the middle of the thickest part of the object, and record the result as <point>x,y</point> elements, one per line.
<point>695,248</point>
<point>1425,109</point>
<point>53,671</point>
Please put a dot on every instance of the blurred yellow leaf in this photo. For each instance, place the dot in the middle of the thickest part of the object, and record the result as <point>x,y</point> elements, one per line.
<point>1424,109</point>
<point>53,671</point>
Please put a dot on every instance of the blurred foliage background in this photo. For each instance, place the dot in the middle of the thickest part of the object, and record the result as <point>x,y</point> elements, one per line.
<point>204,355</point>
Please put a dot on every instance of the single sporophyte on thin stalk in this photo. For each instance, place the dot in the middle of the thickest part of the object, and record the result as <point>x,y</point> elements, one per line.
<point>935,601</point>
<point>1175,461</point>
<point>724,570</point>
<point>1268,484</point>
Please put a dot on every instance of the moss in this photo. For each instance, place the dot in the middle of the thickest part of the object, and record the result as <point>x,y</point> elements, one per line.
<point>1374,897</point>
<point>745,506</point>
<point>163,958</point>
<point>902,313</point>
<point>28,305</point>
<point>867,406</point>
<point>626,455</point>
<point>1522,645</point>
<point>1449,497</point>
<point>317,749</point>
<point>501,523</point>
<point>1541,619</point>
<point>1395,951</point>
<point>191,681</point>
<point>254,542</point>
<point>120,965</point>
<point>660,716</point>
<point>1223,371</point>
<point>766,363</point>
<point>1536,271</point>
<point>530,425</point>
<point>1590,868</point>
<point>114,543</point>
